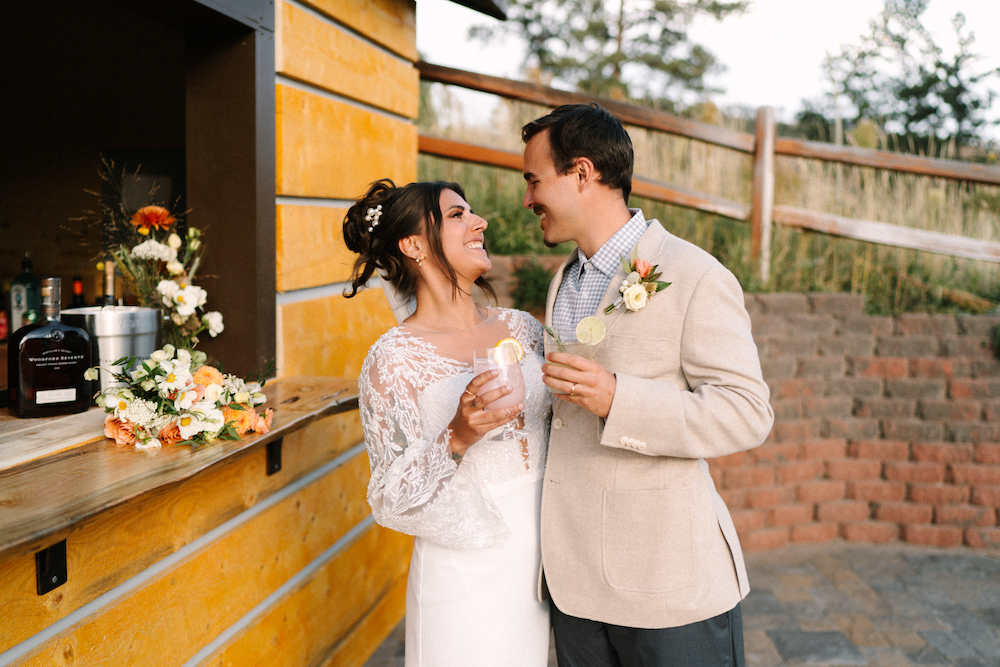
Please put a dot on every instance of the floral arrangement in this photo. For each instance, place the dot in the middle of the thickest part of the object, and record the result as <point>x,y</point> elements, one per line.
<point>174,398</point>
<point>640,283</point>
<point>159,262</point>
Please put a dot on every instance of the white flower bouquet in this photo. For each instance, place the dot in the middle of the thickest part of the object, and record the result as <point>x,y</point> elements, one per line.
<point>174,398</point>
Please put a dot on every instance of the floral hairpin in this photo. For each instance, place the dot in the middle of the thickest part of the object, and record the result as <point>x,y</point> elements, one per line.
<point>372,216</point>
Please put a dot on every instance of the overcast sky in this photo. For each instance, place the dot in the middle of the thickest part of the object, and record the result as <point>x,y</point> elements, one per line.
<point>773,53</point>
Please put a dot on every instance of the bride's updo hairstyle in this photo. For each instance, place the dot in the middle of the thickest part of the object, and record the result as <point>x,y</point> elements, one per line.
<point>374,226</point>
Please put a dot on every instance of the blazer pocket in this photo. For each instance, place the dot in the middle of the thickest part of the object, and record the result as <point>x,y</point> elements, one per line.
<point>647,540</point>
<point>644,344</point>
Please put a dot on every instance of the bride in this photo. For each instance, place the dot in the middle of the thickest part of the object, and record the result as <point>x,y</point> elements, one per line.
<point>439,469</point>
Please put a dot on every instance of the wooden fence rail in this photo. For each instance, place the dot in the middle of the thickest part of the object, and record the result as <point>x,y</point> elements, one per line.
<point>764,145</point>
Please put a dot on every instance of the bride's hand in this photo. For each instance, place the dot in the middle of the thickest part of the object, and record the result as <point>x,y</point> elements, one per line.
<point>472,421</point>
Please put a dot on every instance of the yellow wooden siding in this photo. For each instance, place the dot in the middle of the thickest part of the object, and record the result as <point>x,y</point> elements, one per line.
<point>321,53</point>
<point>354,601</point>
<point>118,544</point>
<point>371,631</point>
<point>391,23</point>
<point>331,335</point>
<point>332,149</point>
<point>310,247</point>
<point>168,619</point>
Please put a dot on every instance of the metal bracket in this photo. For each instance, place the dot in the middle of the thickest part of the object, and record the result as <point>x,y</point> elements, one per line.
<point>50,567</point>
<point>273,456</point>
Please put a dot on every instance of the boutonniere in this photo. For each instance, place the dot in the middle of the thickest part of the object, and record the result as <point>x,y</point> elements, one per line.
<point>640,284</point>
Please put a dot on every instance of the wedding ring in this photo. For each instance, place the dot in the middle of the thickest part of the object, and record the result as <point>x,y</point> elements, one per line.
<point>572,389</point>
<point>470,393</point>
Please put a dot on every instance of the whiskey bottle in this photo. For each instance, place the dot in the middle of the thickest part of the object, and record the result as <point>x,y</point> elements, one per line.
<point>46,361</point>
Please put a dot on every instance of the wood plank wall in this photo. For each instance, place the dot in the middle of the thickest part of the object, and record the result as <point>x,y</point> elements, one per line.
<point>347,96</point>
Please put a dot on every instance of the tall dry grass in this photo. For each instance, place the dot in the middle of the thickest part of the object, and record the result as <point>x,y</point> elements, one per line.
<point>892,280</point>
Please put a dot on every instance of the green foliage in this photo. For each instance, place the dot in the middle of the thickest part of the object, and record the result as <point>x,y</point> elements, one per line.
<point>897,76</point>
<point>633,49</point>
<point>531,287</point>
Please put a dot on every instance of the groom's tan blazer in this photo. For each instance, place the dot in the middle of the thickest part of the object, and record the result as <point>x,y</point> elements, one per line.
<point>633,530</point>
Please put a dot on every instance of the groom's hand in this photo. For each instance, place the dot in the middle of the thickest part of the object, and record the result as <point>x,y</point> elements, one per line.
<point>586,382</point>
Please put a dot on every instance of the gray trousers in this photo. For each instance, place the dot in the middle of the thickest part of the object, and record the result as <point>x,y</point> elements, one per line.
<point>715,642</point>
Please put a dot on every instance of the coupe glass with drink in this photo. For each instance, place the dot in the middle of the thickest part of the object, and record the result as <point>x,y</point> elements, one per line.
<point>508,369</point>
<point>565,340</point>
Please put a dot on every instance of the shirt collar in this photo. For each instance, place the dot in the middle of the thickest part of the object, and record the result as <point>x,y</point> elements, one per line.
<point>608,257</point>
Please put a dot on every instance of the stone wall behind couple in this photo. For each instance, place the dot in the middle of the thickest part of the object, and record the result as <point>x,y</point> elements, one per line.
<point>886,428</point>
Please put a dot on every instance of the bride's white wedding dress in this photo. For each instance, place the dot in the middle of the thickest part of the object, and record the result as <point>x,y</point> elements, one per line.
<point>471,594</point>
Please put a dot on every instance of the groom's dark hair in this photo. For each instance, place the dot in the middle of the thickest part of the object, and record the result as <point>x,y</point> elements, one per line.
<point>590,131</point>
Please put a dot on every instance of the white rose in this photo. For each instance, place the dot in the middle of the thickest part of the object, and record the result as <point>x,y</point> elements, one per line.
<point>159,355</point>
<point>242,397</point>
<point>212,392</point>
<point>175,268</point>
<point>174,241</point>
<point>635,297</point>
<point>214,322</point>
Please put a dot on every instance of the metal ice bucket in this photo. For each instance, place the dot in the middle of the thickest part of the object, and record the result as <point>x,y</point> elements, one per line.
<point>116,332</point>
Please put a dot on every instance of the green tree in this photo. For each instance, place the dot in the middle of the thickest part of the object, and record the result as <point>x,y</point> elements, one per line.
<point>897,76</point>
<point>624,49</point>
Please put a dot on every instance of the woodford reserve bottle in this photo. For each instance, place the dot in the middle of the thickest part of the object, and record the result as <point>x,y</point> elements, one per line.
<point>46,361</point>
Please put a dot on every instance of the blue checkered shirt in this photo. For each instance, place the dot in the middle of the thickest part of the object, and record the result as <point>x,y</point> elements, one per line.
<point>586,280</point>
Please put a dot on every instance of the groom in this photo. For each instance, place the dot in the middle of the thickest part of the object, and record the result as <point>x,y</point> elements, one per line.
<point>639,554</point>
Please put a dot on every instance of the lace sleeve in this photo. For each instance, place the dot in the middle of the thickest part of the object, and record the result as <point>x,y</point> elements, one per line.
<point>524,327</point>
<point>415,487</point>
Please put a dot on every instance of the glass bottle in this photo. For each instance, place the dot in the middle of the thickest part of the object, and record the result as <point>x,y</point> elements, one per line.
<point>24,304</point>
<point>46,361</point>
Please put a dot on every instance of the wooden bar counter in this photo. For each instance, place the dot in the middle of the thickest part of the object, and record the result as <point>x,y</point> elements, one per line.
<point>257,552</point>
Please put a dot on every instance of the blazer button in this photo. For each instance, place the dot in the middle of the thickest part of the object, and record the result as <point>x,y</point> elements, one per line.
<point>641,445</point>
<point>557,423</point>
<point>624,441</point>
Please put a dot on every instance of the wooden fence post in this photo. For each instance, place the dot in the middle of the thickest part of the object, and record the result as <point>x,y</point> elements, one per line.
<point>762,208</point>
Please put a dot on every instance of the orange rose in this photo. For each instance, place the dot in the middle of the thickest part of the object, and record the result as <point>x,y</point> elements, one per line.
<point>170,434</point>
<point>263,422</point>
<point>122,432</point>
<point>642,267</point>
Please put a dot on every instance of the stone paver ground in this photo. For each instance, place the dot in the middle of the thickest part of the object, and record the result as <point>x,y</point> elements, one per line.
<point>840,604</point>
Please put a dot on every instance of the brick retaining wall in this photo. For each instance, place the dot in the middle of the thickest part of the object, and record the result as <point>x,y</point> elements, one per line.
<point>886,428</point>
